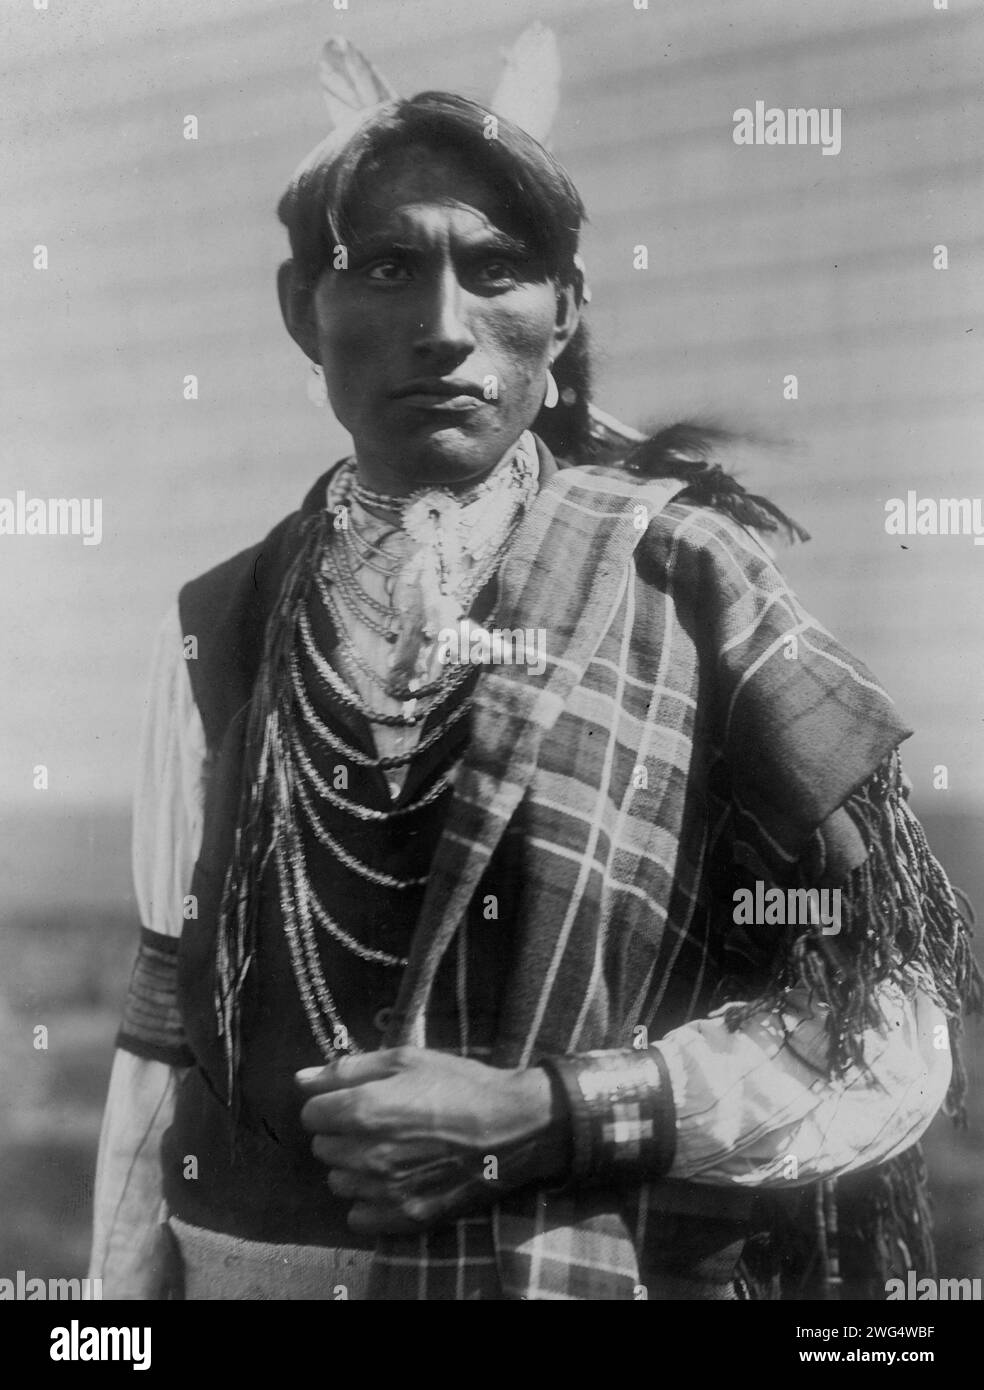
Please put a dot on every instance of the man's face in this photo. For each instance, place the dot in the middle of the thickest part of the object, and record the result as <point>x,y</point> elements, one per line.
<point>437,338</point>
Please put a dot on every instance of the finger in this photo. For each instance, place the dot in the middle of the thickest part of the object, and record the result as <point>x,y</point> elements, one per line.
<point>394,1184</point>
<point>370,1219</point>
<point>349,1184</point>
<point>414,1194</point>
<point>407,1217</point>
<point>341,1113</point>
<point>381,1160</point>
<point>348,1071</point>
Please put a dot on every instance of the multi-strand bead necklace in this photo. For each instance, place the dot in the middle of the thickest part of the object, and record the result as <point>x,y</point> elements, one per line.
<point>393,576</point>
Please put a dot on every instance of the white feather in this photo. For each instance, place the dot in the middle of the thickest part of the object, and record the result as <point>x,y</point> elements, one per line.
<point>350,84</point>
<point>529,89</point>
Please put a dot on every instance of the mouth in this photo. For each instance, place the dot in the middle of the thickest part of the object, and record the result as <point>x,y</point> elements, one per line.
<point>440,393</point>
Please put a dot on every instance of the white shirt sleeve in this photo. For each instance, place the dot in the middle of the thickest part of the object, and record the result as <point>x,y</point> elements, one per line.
<point>168,804</point>
<point>127,1248</point>
<point>754,1109</point>
<point>127,1251</point>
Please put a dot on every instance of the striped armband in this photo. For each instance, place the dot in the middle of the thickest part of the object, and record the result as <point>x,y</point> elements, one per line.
<point>623,1118</point>
<point>151,1026</point>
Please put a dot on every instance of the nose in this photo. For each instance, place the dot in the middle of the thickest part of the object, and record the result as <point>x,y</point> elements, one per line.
<point>445,334</point>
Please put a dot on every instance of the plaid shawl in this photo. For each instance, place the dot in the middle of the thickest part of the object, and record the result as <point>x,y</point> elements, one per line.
<point>675,647</point>
<point>693,727</point>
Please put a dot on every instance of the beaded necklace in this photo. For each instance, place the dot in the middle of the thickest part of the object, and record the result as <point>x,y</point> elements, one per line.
<point>433,582</point>
<point>459,542</point>
<point>455,545</point>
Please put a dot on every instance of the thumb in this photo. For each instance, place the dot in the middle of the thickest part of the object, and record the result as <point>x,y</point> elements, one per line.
<point>348,1071</point>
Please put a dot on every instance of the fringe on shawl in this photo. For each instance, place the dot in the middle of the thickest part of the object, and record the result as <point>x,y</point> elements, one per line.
<point>844,1239</point>
<point>265,794</point>
<point>685,450</point>
<point>899,916</point>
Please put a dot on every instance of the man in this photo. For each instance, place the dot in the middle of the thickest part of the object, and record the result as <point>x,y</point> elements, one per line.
<point>428,1001</point>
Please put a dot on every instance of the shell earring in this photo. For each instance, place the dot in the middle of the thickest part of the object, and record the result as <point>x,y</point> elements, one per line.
<point>317,390</point>
<point>553,395</point>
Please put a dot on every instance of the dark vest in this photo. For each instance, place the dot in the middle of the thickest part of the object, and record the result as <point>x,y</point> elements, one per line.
<point>257,1178</point>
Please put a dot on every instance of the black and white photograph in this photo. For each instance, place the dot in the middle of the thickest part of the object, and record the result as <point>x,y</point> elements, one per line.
<point>491,733</point>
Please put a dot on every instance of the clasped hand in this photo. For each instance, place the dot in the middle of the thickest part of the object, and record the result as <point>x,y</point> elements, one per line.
<point>416,1137</point>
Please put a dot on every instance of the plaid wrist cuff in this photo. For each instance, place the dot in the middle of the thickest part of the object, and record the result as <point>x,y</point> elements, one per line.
<point>623,1120</point>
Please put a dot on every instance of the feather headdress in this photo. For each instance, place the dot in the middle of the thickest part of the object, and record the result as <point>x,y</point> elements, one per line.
<point>355,90</point>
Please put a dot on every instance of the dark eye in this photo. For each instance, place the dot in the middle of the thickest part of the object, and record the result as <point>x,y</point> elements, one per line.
<point>498,270</point>
<point>388,269</point>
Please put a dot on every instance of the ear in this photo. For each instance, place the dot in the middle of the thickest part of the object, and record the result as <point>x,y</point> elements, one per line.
<point>297,307</point>
<point>568,317</point>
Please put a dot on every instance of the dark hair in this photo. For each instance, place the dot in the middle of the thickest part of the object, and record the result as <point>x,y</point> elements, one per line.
<point>317,207</point>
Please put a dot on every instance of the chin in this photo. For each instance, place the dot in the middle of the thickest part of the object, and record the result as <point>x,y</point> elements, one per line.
<point>450,453</point>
